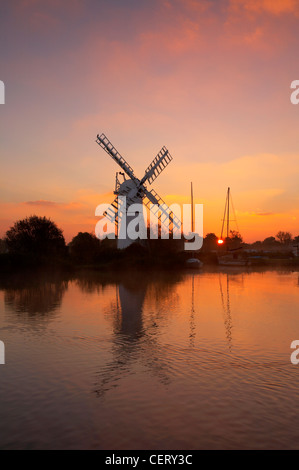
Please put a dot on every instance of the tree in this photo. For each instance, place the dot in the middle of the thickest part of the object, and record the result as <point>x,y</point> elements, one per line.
<point>236,236</point>
<point>84,247</point>
<point>3,247</point>
<point>211,237</point>
<point>257,244</point>
<point>269,241</point>
<point>284,237</point>
<point>35,236</point>
<point>210,242</point>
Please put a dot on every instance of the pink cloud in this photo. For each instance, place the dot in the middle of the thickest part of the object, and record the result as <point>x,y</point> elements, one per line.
<point>276,7</point>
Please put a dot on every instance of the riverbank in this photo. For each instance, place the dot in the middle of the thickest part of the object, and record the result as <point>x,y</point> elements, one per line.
<point>128,259</point>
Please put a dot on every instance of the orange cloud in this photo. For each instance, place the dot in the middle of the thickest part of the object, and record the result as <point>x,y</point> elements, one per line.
<point>71,217</point>
<point>264,214</point>
<point>41,203</point>
<point>275,7</point>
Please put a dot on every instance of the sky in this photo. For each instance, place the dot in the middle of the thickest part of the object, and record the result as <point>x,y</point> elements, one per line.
<point>209,79</point>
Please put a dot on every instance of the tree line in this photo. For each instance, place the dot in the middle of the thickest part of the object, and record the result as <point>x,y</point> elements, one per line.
<point>38,239</point>
<point>282,239</point>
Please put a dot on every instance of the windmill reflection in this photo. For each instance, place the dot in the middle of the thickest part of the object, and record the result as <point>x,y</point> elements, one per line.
<point>130,306</point>
<point>133,340</point>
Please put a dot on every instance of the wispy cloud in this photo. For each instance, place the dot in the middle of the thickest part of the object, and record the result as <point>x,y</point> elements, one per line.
<point>264,214</point>
<point>42,203</point>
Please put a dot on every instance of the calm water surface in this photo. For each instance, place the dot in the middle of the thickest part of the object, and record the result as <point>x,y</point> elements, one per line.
<point>150,361</point>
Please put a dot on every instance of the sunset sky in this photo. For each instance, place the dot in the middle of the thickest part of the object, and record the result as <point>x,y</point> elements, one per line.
<point>208,79</point>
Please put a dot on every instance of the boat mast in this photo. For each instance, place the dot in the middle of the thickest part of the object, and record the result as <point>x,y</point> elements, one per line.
<point>227,222</point>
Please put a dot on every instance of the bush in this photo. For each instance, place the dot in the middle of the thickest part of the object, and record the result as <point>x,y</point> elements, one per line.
<point>35,237</point>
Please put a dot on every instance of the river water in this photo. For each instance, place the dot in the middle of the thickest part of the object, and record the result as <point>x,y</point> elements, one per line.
<point>149,360</point>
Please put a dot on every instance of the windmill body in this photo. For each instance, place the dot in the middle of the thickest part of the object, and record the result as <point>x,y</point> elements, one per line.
<point>135,191</point>
<point>129,190</point>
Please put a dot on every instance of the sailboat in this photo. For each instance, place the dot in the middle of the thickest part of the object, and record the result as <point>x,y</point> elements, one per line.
<point>193,262</point>
<point>233,255</point>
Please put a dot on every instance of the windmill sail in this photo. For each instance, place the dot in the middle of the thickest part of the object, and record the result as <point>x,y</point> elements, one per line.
<point>133,191</point>
<point>114,211</point>
<point>157,166</point>
<point>161,209</point>
<point>111,150</point>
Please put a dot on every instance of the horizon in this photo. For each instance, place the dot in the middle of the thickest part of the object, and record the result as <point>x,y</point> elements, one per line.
<point>154,226</point>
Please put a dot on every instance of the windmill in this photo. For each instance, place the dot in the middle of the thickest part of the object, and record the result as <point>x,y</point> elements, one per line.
<point>136,192</point>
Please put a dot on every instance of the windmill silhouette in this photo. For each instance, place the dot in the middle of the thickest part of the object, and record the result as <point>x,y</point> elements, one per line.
<point>134,191</point>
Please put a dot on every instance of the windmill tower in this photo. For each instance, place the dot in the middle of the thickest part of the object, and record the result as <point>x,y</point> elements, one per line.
<point>136,192</point>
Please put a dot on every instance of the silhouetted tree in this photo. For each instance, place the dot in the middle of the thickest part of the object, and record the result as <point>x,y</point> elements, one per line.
<point>236,236</point>
<point>258,244</point>
<point>36,236</point>
<point>284,237</point>
<point>269,241</point>
<point>210,242</point>
<point>84,247</point>
<point>3,246</point>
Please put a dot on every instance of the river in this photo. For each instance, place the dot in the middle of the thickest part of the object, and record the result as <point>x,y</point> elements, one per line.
<point>149,360</point>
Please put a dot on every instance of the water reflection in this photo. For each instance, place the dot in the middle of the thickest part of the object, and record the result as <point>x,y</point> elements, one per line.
<point>134,341</point>
<point>226,308</point>
<point>119,360</point>
<point>192,317</point>
<point>35,294</point>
